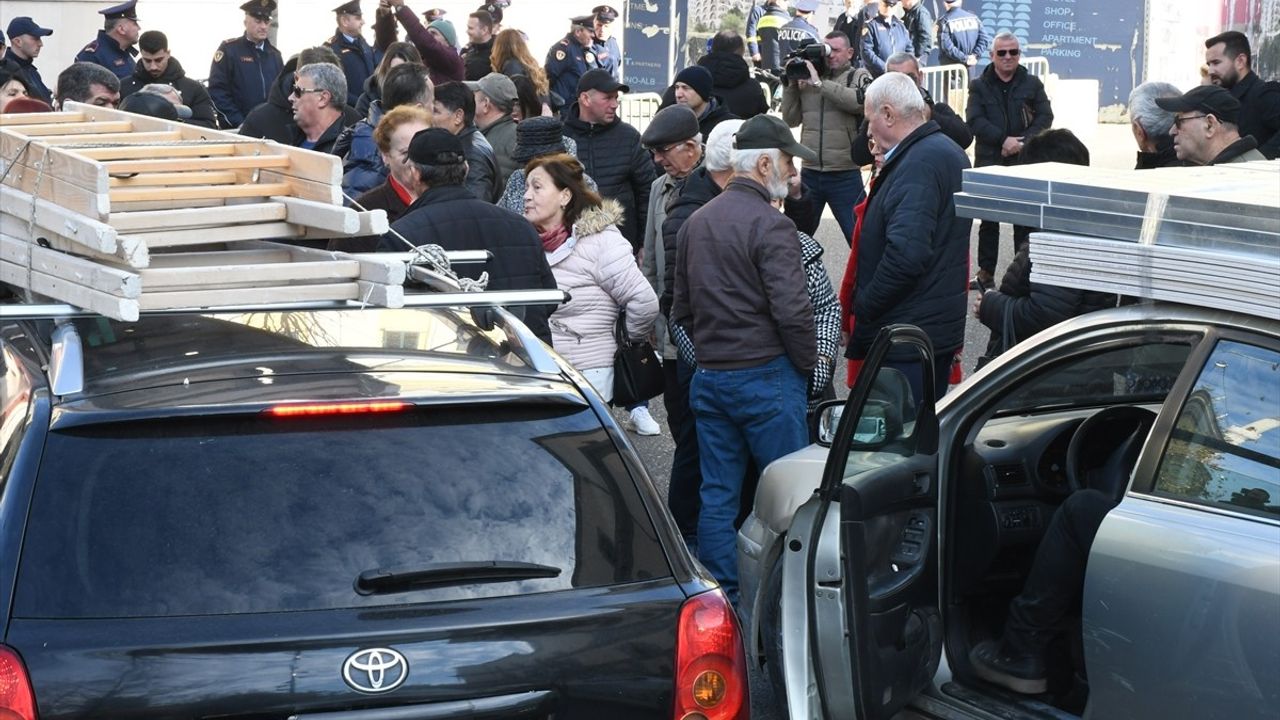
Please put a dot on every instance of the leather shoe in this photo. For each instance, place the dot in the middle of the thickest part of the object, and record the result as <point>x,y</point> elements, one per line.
<point>997,663</point>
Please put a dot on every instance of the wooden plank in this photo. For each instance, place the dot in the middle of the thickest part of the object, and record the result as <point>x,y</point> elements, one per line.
<point>391,296</point>
<point>174,179</point>
<point>68,267</point>
<point>124,309</point>
<point>222,256</point>
<point>371,223</point>
<point>132,138</point>
<point>245,296</point>
<point>51,217</point>
<point>204,236</point>
<point>85,128</point>
<point>334,218</point>
<point>388,270</point>
<point>143,221</point>
<point>35,155</point>
<point>41,118</point>
<point>241,162</point>
<point>303,164</point>
<point>58,191</point>
<point>152,205</point>
<point>245,275</point>
<point>199,192</point>
<point>329,193</point>
<point>128,253</point>
<point>132,152</point>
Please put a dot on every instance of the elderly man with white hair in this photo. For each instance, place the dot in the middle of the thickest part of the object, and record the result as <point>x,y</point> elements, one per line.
<point>913,251</point>
<point>1151,123</point>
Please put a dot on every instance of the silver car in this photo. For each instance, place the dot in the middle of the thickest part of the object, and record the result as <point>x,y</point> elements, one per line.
<point>871,566</point>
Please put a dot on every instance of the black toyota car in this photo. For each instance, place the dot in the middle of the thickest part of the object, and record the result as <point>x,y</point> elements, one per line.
<point>338,514</point>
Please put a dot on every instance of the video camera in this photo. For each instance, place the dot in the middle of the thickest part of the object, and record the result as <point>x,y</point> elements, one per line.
<point>811,50</point>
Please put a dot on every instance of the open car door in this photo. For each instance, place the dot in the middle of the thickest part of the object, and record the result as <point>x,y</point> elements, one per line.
<point>861,633</point>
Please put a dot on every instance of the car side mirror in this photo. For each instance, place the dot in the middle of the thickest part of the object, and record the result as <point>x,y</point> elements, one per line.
<point>827,418</point>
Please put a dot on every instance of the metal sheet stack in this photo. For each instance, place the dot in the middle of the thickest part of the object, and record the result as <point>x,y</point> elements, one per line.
<point>1207,236</point>
<point>119,213</point>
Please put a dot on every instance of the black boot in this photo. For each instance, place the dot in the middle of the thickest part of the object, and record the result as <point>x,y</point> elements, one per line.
<point>1011,665</point>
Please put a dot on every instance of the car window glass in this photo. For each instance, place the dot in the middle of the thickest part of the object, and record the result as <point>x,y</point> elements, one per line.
<point>1139,372</point>
<point>15,395</point>
<point>886,423</point>
<point>253,514</point>
<point>1225,446</point>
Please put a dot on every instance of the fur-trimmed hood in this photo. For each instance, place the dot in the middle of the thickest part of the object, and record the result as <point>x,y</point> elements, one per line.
<point>595,219</point>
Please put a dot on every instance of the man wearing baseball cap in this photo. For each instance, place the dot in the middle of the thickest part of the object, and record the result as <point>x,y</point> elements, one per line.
<point>571,57</point>
<point>25,42</point>
<point>1206,127</point>
<point>603,43</point>
<point>610,149</point>
<point>495,97</point>
<point>756,345</point>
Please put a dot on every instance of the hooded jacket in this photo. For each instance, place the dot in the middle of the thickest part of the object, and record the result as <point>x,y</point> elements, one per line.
<point>598,269</point>
<point>451,217</point>
<point>733,84</point>
<point>612,154</point>
<point>828,116</point>
<point>194,95</point>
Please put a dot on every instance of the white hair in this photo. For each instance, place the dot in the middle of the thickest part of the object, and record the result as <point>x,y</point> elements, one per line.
<point>899,92</point>
<point>744,161</point>
<point>719,155</point>
<point>1005,35</point>
<point>1143,110</point>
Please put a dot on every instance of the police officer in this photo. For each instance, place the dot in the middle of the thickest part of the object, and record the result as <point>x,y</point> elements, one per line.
<point>114,47</point>
<point>359,59</point>
<point>605,45</point>
<point>570,57</point>
<point>918,20</point>
<point>962,39</point>
<point>25,38</point>
<point>799,30</point>
<point>882,36</point>
<point>763,25</point>
<point>244,67</point>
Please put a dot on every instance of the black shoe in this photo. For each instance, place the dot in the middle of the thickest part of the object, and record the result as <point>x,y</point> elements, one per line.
<point>982,280</point>
<point>1022,673</point>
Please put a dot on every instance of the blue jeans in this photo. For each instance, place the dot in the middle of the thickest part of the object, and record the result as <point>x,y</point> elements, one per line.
<point>841,189</point>
<point>756,414</point>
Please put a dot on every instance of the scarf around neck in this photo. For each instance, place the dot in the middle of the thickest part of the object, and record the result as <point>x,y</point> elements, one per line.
<point>554,238</point>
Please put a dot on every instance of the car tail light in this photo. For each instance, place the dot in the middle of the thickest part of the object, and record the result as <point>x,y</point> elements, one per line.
<point>17,701</point>
<point>711,665</point>
<point>340,408</point>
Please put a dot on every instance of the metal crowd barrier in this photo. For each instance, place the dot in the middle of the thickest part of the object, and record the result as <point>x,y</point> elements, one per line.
<point>638,109</point>
<point>950,83</point>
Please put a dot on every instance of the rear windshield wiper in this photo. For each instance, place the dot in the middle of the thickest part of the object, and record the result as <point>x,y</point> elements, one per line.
<point>379,581</point>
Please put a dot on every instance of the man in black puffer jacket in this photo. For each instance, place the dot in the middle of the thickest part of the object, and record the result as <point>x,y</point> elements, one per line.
<point>448,215</point>
<point>733,83</point>
<point>610,151</point>
<point>913,248</point>
<point>1006,105</point>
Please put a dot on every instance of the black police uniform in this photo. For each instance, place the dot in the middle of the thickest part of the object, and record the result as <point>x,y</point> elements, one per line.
<point>566,62</point>
<point>241,75</point>
<point>881,38</point>
<point>608,54</point>
<point>359,60</point>
<point>791,35</point>
<point>105,51</point>
<point>961,34</point>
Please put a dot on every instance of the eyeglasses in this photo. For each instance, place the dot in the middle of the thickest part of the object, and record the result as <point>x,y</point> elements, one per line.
<point>1177,122</point>
<point>1009,53</point>
<point>298,92</point>
<point>666,149</point>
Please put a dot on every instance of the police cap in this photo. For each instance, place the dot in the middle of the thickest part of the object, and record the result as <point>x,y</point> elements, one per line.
<point>126,10</point>
<point>584,21</point>
<point>604,13</point>
<point>348,8</point>
<point>261,9</point>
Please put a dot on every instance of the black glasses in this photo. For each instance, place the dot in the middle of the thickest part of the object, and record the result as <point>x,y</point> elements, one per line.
<point>298,92</point>
<point>1009,53</point>
<point>1177,122</point>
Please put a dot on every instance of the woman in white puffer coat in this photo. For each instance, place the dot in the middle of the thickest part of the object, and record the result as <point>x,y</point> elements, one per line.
<point>592,261</point>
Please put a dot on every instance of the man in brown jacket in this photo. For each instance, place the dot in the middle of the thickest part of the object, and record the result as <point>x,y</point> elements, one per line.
<point>740,290</point>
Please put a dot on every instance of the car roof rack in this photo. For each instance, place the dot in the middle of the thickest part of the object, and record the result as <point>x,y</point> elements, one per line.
<point>488,310</point>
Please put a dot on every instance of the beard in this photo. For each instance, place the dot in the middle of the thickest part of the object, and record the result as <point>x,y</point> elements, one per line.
<point>776,184</point>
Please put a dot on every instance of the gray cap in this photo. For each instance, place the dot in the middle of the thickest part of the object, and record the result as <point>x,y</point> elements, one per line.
<point>498,87</point>
<point>767,132</point>
<point>672,124</point>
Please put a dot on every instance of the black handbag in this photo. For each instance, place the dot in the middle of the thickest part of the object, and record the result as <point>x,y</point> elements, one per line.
<point>637,370</point>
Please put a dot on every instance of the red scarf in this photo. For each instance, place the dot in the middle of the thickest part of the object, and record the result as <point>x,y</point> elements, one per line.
<point>399,190</point>
<point>554,238</point>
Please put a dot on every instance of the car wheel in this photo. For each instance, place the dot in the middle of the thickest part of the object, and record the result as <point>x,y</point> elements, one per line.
<point>771,632</point>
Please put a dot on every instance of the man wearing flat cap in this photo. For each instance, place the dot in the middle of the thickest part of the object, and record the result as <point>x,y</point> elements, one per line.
<point>603,43</point>
<point>445,213</point>
<point>25,42</point>
<point>740,292</point>
<point>1206,127</point>
<point>244,67</point>
<point>114,47</point>
<point>359,59</point>
<point>571,57</point>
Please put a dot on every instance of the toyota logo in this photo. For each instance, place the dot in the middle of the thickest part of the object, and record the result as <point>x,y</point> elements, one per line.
<point>375,670</point>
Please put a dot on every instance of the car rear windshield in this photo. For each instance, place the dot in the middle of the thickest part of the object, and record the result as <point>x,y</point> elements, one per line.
<point>256,514</point>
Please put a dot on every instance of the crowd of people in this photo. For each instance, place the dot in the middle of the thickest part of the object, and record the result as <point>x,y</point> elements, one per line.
<point>698,231</point>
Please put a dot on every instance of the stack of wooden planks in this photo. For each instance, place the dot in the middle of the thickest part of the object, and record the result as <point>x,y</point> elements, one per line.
<point>119,213</point>
<point>1205,236</point>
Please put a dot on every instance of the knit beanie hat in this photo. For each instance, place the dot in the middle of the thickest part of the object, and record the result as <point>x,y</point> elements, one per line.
<point>445,28</point>
<point>698,78</point>
<point>538,136</point>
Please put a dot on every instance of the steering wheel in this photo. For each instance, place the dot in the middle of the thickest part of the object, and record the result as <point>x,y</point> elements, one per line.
<point>1105,447</point>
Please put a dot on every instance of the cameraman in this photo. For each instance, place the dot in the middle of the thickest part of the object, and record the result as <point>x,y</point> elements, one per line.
<point>828,107</point>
